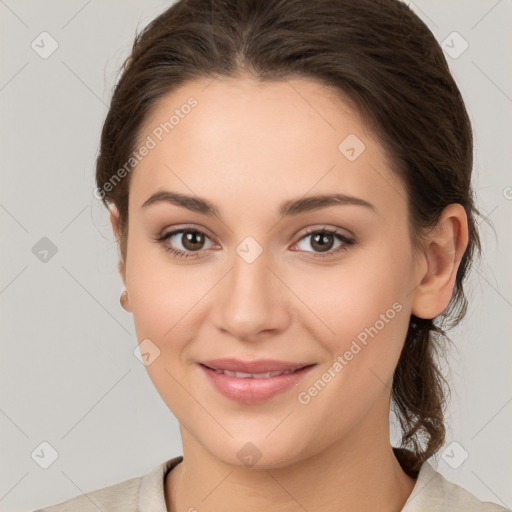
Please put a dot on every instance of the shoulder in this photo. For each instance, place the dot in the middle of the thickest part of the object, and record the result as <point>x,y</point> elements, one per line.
<point>434,493</point>
<point>140,493</point>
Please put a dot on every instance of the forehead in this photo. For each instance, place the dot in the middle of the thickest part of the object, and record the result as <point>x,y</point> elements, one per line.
<point>262,139</point>
<point>252,111</point>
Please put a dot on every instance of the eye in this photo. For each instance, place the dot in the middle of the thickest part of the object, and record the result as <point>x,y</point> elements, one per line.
<point>189,241</point>
<point>323,240</point>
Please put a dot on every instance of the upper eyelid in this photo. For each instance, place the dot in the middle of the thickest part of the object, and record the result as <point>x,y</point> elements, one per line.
<point>180,229</point>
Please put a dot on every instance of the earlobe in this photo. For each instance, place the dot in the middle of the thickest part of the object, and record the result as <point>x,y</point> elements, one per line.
<point>124,301</point>
<point>444,248</point>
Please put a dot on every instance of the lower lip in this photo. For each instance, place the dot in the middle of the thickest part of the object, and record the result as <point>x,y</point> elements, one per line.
<point>250,390</point>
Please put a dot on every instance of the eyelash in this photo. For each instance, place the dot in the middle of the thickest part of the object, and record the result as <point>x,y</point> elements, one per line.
<point>346,241</point>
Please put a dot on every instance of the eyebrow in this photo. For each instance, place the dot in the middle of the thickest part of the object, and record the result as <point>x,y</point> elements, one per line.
<point>290,207</point>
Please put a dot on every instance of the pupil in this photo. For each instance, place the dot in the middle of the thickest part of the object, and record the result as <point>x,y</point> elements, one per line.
<point>323,239</point>
<point>193,240</point>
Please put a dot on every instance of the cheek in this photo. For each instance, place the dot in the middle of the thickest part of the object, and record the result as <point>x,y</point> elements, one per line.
<point>349,297</point>
<point>163,302</point>
<point>162,291</point>
<point>369,320</point>
<point>361,318</point>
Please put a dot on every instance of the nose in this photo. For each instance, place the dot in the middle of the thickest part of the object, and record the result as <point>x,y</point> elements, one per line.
<point>252,302</point>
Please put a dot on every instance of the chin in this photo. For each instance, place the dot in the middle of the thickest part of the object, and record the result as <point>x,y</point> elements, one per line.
<point>262,453</point>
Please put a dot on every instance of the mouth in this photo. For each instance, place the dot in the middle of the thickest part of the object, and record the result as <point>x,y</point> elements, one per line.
<point>254,387</point>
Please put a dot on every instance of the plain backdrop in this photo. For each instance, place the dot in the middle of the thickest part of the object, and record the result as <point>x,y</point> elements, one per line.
<point>71,387</point>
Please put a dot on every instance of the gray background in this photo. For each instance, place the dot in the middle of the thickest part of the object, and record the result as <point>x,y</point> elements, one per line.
<point>68,373</point>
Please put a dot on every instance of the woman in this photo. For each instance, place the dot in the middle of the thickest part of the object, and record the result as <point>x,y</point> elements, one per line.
<point>290,186</point>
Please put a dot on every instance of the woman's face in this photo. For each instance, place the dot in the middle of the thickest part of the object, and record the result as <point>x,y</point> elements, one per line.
<point>260,285</point>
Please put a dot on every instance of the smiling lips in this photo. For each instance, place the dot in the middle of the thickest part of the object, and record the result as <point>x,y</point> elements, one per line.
<point>252,382</point>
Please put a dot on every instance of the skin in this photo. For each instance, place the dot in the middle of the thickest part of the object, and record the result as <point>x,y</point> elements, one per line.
<point>247,147</point>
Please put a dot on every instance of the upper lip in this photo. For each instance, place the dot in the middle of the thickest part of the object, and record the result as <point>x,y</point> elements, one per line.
<point>256,366</point>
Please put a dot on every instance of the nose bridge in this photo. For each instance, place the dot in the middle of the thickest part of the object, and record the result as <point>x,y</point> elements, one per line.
<point>251,272</point>
<point>250,301</point>
<point>250,278</point>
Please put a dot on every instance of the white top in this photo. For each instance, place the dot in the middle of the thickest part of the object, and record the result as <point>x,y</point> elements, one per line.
<point>431,493</point>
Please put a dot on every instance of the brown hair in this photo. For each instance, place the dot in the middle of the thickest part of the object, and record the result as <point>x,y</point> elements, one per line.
<point>382,57</point>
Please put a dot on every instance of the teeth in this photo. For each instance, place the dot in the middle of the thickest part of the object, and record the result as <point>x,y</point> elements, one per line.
<point>243,375</point>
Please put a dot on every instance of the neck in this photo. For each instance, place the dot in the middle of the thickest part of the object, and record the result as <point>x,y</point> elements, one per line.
<point>359,473</point>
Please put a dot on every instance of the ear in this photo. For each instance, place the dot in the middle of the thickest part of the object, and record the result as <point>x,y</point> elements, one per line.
<point>439,261</point>
<point>114,220</point>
